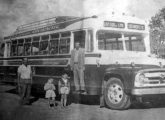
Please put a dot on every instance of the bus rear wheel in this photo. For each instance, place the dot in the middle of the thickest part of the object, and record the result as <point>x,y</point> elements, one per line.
<point>115,96</point>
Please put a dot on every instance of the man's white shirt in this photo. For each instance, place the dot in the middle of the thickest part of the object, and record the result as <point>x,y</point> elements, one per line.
<point>24,71</point>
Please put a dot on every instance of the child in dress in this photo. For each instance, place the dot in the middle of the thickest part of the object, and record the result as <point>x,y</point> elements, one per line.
<point>64,89</point>
<point>50,94</point>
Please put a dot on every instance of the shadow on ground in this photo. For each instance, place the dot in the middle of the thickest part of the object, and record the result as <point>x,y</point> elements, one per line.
<point>89,100</point>
<point>73,98</point>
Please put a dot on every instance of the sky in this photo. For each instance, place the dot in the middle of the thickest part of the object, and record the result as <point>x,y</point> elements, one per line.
<point>14,13</point>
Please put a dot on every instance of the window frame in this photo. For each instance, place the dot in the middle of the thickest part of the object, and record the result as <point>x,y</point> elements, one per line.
<point>14,45</point>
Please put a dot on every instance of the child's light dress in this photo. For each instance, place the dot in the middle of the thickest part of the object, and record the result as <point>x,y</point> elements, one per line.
<point>49,87</point>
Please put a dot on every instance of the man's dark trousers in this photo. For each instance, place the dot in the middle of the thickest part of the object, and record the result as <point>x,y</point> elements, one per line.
<point>25,91</point>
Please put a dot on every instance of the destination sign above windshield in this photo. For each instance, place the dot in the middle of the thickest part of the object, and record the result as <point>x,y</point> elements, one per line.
<point>136,26</point>
<point>114,24</point>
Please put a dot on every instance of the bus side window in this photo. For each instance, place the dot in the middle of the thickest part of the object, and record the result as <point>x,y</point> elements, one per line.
<point>27,48</point>
<point>8,49</point>
<point>14,50</point>
<point>20,50</point>
<point>35,48</point>
<point>20,47</point>
<point>79,36</point>
<point>54,46</point>
<point>65,43</point>
<point>44,47</point>
<point>35,45</point>
<point>54,43</point>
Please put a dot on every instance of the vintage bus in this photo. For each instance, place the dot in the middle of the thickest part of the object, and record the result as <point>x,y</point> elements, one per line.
<point>118,64</point>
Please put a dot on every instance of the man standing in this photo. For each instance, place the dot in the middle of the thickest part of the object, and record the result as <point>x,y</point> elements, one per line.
<point>24,81</point>
<point>77,65</point>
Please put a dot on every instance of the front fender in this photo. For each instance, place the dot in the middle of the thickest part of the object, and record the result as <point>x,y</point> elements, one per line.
<point>126,75</point>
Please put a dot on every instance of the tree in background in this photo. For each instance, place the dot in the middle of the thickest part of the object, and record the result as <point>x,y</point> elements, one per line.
<point>157,33</point>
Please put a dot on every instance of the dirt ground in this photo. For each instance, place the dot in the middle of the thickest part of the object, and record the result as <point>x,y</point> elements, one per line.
<point>39,110</point>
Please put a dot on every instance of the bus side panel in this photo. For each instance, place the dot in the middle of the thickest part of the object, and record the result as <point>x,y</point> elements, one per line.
<point>1,73</point>
<point>8,74</point>
<point>93,79</point>
<point>38,85</point>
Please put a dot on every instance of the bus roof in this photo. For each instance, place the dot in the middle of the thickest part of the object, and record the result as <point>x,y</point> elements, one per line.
<point>66,23</point>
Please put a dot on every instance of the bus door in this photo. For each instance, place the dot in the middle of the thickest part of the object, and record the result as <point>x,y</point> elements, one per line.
<point>79,36</point>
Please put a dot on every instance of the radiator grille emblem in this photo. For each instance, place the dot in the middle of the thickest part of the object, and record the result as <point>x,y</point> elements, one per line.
<point>162,78</point>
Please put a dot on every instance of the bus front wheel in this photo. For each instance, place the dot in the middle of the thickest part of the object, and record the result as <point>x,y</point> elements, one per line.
<point>115,96</point>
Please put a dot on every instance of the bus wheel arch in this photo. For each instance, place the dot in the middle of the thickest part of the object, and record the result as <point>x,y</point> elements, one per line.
<point>114,94</point>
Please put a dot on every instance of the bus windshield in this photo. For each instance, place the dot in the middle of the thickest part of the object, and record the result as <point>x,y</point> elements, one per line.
<point>108,40</point>
<point>134,42</point>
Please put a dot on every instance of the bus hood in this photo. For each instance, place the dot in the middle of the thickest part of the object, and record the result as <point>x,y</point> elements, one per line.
<point>128,57</point>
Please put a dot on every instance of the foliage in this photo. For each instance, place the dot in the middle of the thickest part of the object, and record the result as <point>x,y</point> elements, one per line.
<point>157,32</point>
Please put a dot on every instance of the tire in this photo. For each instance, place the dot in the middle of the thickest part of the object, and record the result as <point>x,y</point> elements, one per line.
<point>114,95</point>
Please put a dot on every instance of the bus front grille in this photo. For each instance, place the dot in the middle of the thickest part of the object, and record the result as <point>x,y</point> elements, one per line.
<point>155,77</point>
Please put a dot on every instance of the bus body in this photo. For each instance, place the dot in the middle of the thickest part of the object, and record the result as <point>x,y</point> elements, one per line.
<point>118,65</point>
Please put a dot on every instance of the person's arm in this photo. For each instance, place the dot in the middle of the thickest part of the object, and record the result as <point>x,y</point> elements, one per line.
<point>31,75</point>
<point>47,87</point>
<point>18,80</point>
<point>31,78</point>
<point>72,60</point>
<point>18,83</point>
<point>54,88</point>
<point>83,58</point>
<point>69,86</point>
<point>59,86</point>
<point>18,76</point>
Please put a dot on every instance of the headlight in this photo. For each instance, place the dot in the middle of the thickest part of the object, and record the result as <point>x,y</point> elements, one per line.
<point>140,80</point>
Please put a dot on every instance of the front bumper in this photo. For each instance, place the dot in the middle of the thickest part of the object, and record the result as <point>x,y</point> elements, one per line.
<point>148,91</point>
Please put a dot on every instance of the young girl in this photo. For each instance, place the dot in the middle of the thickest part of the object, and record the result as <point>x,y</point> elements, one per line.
<point>50,94</point>
<point>64,89</point>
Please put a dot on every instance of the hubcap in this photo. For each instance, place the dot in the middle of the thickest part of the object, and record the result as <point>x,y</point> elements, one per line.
<point>115,93</point>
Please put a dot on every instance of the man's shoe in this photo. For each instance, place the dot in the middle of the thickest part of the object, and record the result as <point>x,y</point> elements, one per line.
<point>77,92</point>
<point>84,92</point>
<point>101,106</point>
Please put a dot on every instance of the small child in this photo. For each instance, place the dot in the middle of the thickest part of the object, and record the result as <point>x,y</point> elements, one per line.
<point>64,89</point>
<point>50,94</point>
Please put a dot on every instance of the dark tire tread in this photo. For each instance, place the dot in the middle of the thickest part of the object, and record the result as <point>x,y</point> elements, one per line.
<point>125,102</point>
